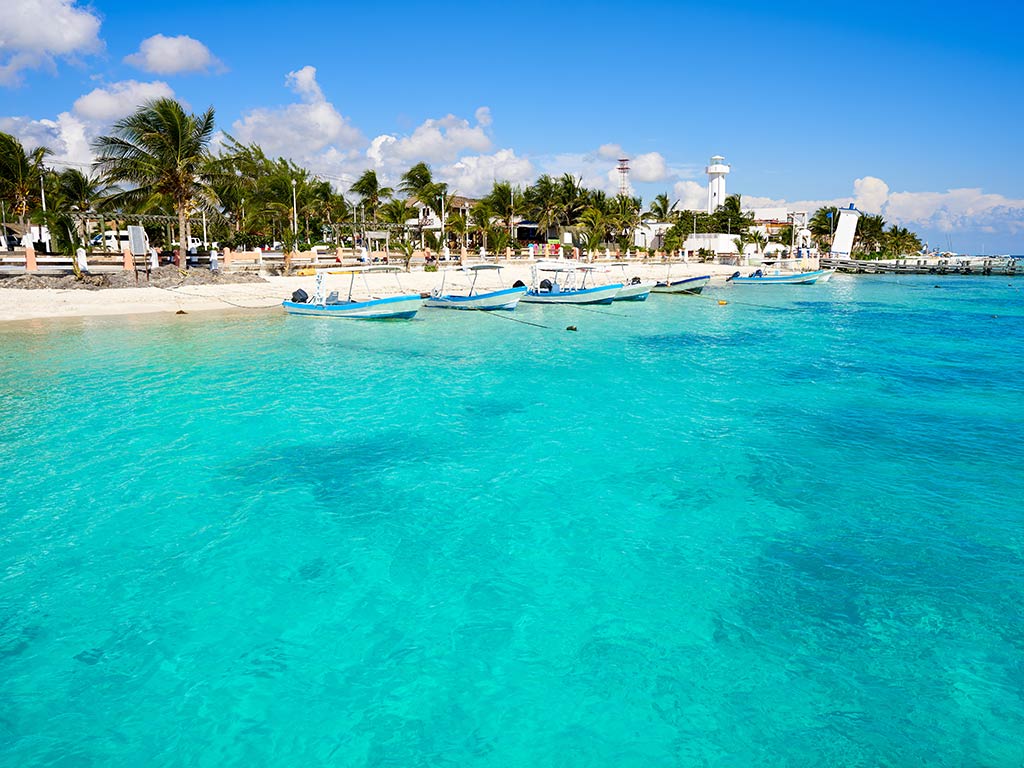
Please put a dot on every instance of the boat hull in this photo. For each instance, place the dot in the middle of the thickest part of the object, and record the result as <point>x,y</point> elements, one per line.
<point>391,308</point>
<point>604,294</point>
<point>683,285</point>
<point>804,278</point>
<point>504,299</point>
<point>634,292</point>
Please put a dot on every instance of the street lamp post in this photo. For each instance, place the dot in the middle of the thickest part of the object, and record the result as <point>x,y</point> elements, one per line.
<point>295,214</point>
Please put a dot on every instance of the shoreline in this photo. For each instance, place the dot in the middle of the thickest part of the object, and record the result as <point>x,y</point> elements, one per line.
<point>18,304</point>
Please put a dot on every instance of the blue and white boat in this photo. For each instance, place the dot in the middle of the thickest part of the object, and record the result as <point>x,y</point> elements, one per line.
<point>684,285</point>
<point>403,306</point>
<point>555,283</point>
<point>504,298</point>
<point>691,285</point>
<point>633,288</point>
<point>777,277</point>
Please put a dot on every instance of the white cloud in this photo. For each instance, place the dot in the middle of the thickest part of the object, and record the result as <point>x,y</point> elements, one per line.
<point>930,213</point>
<point>690,196</point>
<point>956,209</point>
<point>434,141</point>
<point>119,99</point>
<point>870,194</point>
<point>648,167</point>
<point>474,175</point>
<point>610,151</point>
<point>68,137</point>
<point>304,130</point>
<point>303,82</point>
<point>33,32</point>
<point>165,55</point>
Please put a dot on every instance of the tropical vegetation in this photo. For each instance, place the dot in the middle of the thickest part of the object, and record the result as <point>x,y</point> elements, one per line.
<point>159,167</point>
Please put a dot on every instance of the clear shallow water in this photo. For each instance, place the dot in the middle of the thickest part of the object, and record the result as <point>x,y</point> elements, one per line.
<point>787,534</point>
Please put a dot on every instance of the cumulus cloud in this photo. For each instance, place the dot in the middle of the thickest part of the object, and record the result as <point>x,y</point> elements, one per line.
<point>302,130</point>
<point>648,167</point>
<point>610,151</point>
<point>870,194</point>
<point>71,133</point>
<point>690,196</point>
<point>119,99</point>
<point>68,137</point>
<point>475,174</point>
<point>434,141</point>
<point>932,214</point>
<point>165,55</point>
<point>34,32</point>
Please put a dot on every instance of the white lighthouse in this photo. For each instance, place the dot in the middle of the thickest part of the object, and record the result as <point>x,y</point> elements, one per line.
<point>717,170</point>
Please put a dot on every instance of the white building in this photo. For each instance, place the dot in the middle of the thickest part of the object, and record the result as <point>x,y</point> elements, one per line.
<point>716,170</point>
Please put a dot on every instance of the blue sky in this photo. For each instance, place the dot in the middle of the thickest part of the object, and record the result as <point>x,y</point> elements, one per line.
<point>910,109</point>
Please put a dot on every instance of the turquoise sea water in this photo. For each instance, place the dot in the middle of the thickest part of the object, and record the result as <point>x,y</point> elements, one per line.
<point>687,534</point>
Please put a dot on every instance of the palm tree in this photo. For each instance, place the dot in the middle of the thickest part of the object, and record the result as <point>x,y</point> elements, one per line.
<point>596,225</point>
<point>730,216</point>
<point>369,188</point>
<point>540,202</point>
<point>501,202</point>
<point>759,240</point>
<point>870,233</point>
<point>480,216</point>
<point>822,225</point>
<point>20,172</point>
<point>900,241</point>
<point>396,212</point>
<point>161,150</point>
<point>572,199</point>
<point>415,180</point>
<point>625,217</point>
<point>661,209</point>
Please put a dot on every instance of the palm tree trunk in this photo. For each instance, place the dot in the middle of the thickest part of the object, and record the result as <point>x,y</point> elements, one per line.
<point>181,235</point>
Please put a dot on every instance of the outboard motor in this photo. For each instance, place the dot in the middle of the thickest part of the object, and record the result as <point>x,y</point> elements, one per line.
<point>635,281</point>
<point>734,274</point>
<point>518,284</point>
<point>545,284</point>
<point>300,297</point>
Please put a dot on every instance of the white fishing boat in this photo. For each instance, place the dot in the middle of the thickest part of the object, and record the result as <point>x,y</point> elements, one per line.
<point>556,283</point>
<point>778,277</point>
<point>633,288</point>
<point>503,298</point>
<point>322,304</point>
<point>684,285</point>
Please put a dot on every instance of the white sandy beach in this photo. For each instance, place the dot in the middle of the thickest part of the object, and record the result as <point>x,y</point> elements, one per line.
<point>24,304</point>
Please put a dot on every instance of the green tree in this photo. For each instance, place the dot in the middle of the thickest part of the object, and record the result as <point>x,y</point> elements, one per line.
<point>595,224</point>
<point>730,217</point>
<point>416,180</point>
<point>369,188</point>
<point>870,234</point>
<point>396,212</point>
<point>661,209</point>
<point>20,172</point>
<point>160,150</point>
<point>822,225</point>
<point>501,202</point>
<point>900,242</point>
<point>541,203</point>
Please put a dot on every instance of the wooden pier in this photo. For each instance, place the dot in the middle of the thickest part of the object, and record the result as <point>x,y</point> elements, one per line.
<point>976,266</point>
